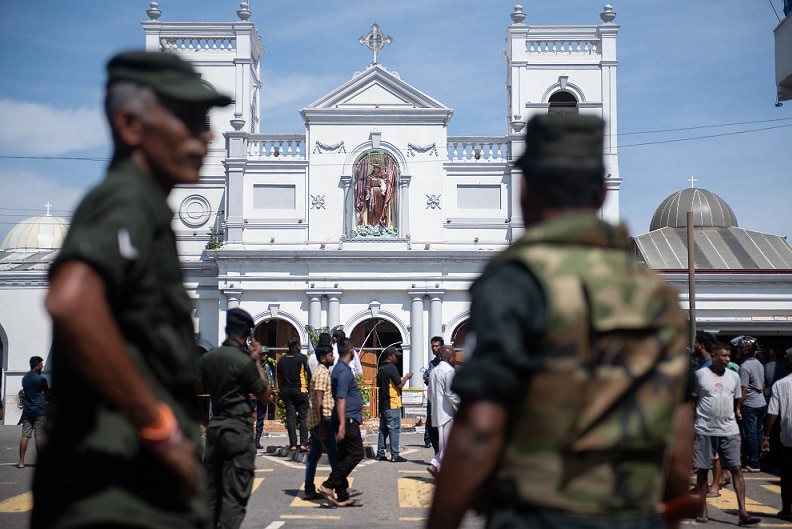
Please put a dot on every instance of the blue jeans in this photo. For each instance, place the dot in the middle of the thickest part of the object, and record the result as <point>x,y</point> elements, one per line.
<point>753,420</point>
<point>329,445</point>
<point>390,426</point>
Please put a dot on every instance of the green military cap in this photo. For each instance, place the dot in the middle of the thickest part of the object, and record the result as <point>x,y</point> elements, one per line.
<point>563,141</point>
<point>166,74</point>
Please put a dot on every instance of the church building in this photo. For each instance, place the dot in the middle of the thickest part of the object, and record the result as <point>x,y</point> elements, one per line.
<point>376,220</point>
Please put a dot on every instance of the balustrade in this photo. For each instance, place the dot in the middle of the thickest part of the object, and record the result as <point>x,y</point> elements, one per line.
<point>207,44</point>
<point>570,47</point>
<point>283,146</point>
<point>478,148</point>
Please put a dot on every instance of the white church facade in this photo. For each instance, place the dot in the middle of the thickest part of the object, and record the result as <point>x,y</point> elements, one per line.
<point>375,219</point>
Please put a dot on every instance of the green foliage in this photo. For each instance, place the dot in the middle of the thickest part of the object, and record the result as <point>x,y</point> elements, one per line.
<point>313,333</point>
<point>365,395</point>
<point>214,241</point>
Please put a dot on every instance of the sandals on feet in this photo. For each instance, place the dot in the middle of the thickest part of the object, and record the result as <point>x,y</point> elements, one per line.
<point>702,519</point>
<point>749,520</point>
<point>312,496</point>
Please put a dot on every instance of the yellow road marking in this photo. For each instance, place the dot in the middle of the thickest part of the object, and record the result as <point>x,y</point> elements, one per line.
<point>21,503</point>
<point>264,470</point>
<point>728,502</point>
<point>411,519</point>
<point>256,483</point>
<point>308,517</point>
<point>299,502</point>
<point>415,493</point>
<point>773,488</point>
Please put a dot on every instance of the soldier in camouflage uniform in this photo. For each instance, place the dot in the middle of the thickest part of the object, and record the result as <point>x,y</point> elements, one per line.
<point>578,365</point>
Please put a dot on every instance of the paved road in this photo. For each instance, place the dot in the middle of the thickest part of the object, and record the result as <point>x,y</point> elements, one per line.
<point>396,494</point>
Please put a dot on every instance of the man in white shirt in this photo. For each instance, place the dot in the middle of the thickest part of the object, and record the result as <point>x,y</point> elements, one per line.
<point>780,408</point>
<point>718,398</point>
<point>354,364</point>
<point>444,402</point>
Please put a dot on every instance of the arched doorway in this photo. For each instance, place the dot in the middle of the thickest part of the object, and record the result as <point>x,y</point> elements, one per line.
<point>458,338</point>
<point>370,338</point>
<point>273,334</point>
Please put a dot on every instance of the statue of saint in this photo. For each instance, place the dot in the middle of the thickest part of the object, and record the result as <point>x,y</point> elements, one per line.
<point>374,197</point>
<point>376,192</point>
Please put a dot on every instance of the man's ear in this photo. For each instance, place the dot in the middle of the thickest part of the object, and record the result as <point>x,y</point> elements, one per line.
<point>128,127</point>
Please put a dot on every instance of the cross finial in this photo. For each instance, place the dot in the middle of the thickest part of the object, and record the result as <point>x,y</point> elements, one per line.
<point>692,182</point>
<point>375,40</point>
<point>48,206</point>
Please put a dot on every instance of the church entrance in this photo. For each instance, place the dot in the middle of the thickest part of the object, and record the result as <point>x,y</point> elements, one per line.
<point>370,338</point>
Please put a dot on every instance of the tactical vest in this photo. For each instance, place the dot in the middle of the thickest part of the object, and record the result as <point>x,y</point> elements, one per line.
<point>595,423</point>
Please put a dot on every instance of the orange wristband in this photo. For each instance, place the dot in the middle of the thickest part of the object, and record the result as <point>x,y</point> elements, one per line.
<point>162,429</point>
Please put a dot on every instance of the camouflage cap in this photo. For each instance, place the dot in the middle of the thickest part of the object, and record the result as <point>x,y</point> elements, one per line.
<point>563,141</point>
<point>166,74</point>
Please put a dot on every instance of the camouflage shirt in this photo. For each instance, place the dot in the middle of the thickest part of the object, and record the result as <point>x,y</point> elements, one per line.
<point>586,352</point>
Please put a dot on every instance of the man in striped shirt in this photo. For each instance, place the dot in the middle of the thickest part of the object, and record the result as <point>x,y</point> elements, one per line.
<point>780,408</point>
<point>322,432</point>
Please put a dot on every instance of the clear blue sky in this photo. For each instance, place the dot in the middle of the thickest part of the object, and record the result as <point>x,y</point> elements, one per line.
<point>696,87</point>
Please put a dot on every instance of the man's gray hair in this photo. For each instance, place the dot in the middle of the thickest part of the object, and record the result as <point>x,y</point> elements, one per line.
<point>126,94</point>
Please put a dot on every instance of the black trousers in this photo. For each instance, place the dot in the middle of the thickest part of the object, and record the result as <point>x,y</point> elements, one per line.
<point>296,410</point>
<point>785,454</point>
<point>350,453</point>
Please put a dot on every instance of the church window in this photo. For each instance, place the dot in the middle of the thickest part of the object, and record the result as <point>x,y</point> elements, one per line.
<point>563,102</point>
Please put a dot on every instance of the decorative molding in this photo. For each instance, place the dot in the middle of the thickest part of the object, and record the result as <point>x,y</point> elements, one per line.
<point>317,202</point>
<point>195,211</point>
<point>322,147</point>
<point>433,202</point>
<point>412,149</point>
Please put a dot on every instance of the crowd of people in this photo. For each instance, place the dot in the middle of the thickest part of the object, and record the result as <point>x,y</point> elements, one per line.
<point>739,396</point>
<point>578,407</point>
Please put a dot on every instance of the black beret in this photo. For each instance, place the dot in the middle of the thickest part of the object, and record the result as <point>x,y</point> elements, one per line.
<point>237,316</point>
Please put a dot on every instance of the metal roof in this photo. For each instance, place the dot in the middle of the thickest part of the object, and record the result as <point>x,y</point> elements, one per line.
<point>729,248</point>
<point>709,210</point>
<point>30,261</point>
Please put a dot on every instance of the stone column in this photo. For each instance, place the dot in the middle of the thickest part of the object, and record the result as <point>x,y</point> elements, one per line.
<point>417,338</point>
<point>233,297</point>
<point>404,205</point>
<point>314,309</point>
<point>333,308</point>
<point>435,313</point>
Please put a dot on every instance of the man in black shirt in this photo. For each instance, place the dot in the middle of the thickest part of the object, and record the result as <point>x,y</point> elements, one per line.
<point>390,384</point>
<point>294,379</point>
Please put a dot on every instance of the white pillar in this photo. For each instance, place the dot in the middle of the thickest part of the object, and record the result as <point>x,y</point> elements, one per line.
<point>417,338</point>
<point>333,309</point>
<point>315,310</point>
<point>435,318</point>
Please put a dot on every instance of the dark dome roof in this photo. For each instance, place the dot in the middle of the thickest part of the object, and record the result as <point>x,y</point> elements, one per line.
<point>709,211</point>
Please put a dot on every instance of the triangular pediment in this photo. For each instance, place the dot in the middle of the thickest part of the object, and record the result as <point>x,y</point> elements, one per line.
<point>376,88</point>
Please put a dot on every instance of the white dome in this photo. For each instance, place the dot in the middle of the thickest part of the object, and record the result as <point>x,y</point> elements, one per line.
<point>37,233</point>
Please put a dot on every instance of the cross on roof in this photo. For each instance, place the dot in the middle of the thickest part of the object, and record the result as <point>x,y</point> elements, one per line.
<point>48,206</point>
<point>375,40</point>
<point>692,182</point>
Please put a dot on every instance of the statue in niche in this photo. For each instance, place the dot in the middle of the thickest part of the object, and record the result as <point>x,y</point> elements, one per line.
<point>375,195</point>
